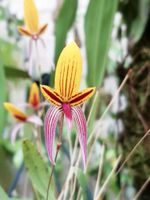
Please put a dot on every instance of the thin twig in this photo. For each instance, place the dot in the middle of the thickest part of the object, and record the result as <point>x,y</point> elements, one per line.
<point>74,188</point>
<point>142,189</point>
<point>99,171</point>
<point>104,113</point>
<point>108,107</point>
<point>57,151</point>
<point>79,194</point>
<point>108,179</point>
<point>92,106</point>
<point>132,151</point>
<point>70,173</point>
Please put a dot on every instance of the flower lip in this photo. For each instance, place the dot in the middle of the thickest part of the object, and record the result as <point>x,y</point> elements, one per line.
<point>68,113</point>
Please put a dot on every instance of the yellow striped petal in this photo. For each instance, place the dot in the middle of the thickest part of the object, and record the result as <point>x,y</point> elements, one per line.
<point>68,71</point>
<point>51,95</point>
<point>18,114</point>
<point>31,16</point>
<point>82,96</point>
<point>34,97</point>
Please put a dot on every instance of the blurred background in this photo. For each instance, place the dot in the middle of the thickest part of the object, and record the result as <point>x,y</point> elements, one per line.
<point>114,37</point>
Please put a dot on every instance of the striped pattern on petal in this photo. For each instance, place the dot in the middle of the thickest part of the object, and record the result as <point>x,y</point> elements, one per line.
<point>51,95</point>
<point>80,121</point>
<point>82,96</point>
<point>50,123</point>
<point>68,71</point>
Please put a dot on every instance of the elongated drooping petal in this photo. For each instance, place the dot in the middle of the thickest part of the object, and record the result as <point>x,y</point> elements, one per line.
<point>81,97</point>
<point>35,120</point>
<point>31,16</point>
<point>50,123</point>
<point>80,120</point>
<point>51,95</point>
<point>14,132</point>
<point>34,97</point>
<point>68,71</point>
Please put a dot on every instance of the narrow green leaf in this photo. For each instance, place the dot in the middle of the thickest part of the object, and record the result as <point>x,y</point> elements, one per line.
<point>2,97</point>
<point>98,27</point>
<point>37,169</point>
<point>83,184</point>
<point>64,22</point>
<point>12,72</point>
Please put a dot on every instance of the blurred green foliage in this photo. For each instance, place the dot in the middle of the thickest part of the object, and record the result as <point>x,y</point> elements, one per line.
<point>98,28</point>
<point>64,21</point>
<point>37,169</point>
<point>2,97</point>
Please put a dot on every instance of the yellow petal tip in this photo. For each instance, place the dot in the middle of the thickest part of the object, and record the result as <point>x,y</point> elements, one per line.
<point>18,114</point>
<point>34,97</point>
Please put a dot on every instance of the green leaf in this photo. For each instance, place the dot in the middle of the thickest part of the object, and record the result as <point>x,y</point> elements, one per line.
<point>81,177</point>
<point>6,52</point>
<point>12,72</point>
<point>98,27</point>
<point>2,97</point>
<point>3,195</point>
<point>64,22</point>
<point>37,169</point>
<point>135,14</point>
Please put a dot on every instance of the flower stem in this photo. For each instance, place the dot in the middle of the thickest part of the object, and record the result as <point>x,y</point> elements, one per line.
<point>57,151</point>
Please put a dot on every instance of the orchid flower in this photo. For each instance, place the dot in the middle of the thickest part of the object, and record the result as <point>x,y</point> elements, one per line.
<point>66,98</point>
<point>31,19</point>
<point>21,118</point>
<point>34,98</point>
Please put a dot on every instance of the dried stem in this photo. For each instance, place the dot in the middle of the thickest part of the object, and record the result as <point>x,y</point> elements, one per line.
<point>92,106</point>
<point>108,179</point>
<point>132,151</point>
<point>70,173</point>
<point>57,151</point>
<point>142,189</point>
<point>99,171</point>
